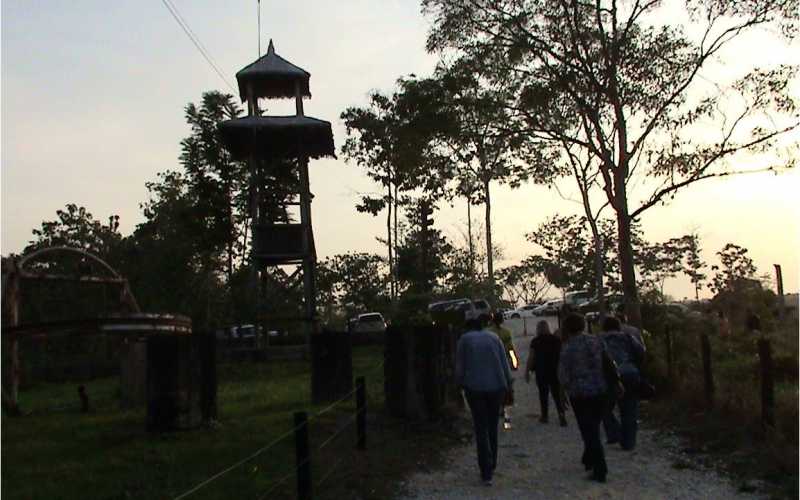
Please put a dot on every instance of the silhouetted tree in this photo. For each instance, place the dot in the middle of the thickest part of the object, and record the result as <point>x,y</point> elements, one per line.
<point>614,80</point>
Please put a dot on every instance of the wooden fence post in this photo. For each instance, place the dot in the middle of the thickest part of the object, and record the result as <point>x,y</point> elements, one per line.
<point>708,375</point>
<point>361,413</point>
<point>302,455</point>
<point>767,382</point>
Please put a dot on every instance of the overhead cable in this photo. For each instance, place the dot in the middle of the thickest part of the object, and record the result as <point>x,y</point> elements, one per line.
<point>196,41</point>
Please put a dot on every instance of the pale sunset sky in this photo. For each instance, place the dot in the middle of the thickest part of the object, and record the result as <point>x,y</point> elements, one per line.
<point>92,108</point>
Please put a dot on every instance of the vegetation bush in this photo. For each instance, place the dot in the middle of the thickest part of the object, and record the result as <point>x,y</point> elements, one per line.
<point>734,423</point>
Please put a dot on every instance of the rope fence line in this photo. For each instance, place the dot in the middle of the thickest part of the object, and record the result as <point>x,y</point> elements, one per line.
<point>279,439</point>
<point>330,471</point>
<point>337,433</point>
<point>240,462</point>
<point>284,478</point>
<point>332,405</point>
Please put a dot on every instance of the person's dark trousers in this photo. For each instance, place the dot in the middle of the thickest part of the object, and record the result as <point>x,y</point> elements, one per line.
<point>623,431</point>
<point>589,413</point>
<point>629,411</point>
<point>485,407</point>
<point>548,384</point>
<point>611,425</point>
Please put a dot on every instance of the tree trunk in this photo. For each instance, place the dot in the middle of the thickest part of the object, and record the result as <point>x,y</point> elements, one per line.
<point>469,240</point>
<point>230,261</point>
<point>625,250</point>
<point>392,284</point>
<point>599,260</point>
<point>599,269</point>
<point>396,243</point>
<point>489,256</point>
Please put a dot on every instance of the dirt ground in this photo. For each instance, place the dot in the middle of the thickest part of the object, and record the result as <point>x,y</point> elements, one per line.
<point>542,461</point>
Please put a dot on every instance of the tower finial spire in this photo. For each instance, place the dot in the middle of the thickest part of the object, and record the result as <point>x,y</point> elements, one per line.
<point>271,48</point>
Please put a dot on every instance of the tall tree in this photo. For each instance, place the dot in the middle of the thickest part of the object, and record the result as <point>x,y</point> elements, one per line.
<point>615,80</point>
<point>694,263</point>
<point>421,256</point>
<point>524,283</point>
<point>660,261</point>
<point>470,120</point>
<point>357,282</point>
<point>390,140</point>
<point>371,144</point>
<point>76,227</point>
<point>485,154</point>
<point>568,245</point>
<point>218,183</point>
<point>736,269</point>
<point>171,267</point>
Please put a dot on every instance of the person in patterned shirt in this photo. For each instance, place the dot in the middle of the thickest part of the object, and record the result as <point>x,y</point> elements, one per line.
<point>582,371</point>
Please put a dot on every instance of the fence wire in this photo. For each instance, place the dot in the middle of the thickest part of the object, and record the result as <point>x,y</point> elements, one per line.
<point>283,436</point>
<point>240,462</point>
<point>284,478</point>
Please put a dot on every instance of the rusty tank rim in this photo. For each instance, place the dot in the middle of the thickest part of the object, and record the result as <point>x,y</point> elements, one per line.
<point>114,324</point>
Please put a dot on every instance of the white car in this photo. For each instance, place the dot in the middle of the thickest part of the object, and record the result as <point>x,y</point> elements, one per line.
<point>470,308</point>
<point>577,298</point>
<point>369,323</point>
<point>549,308</point>
<point>522,312</point>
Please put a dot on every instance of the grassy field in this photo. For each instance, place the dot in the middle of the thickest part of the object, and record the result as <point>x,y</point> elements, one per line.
<point>56,452</point>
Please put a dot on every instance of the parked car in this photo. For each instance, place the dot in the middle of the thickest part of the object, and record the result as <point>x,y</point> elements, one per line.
<point>369,323</point>
<point>549,308</point>
<point>467,307</point>
<point>245,331</point>
<point>678,310</point>
<point>482,307</point>
<point>576,298</point>
<point>450,305</point>
<point>613,301</point>
<point>525,311</point>
<point>591,308</point>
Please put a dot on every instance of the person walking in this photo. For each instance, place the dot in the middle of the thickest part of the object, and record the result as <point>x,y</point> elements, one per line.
<point>587,373</point>
<point>627,352</point>
<point>628,328</point>
<point>545,350</point>
<point>505,336</point>
<point>496,326</point>
<point>483,372</point>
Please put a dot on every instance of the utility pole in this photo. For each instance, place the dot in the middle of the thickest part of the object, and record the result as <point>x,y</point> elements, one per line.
<point>779,284</point>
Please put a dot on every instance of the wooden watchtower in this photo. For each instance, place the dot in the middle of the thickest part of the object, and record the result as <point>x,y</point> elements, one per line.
<point>278,149</point>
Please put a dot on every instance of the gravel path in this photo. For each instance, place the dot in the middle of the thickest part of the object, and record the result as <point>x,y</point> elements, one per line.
<point>542,461</point>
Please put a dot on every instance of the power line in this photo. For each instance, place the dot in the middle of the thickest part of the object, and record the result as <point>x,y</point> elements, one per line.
<point>192,33</point>
<point>195,40</point>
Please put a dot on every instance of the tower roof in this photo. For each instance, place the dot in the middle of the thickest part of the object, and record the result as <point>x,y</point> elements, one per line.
<point>273,77</point>
<point>275,137</point>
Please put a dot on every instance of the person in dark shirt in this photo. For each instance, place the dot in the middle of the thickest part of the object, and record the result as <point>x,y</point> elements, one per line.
<point>543,359</point>
<point>627,352</point>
